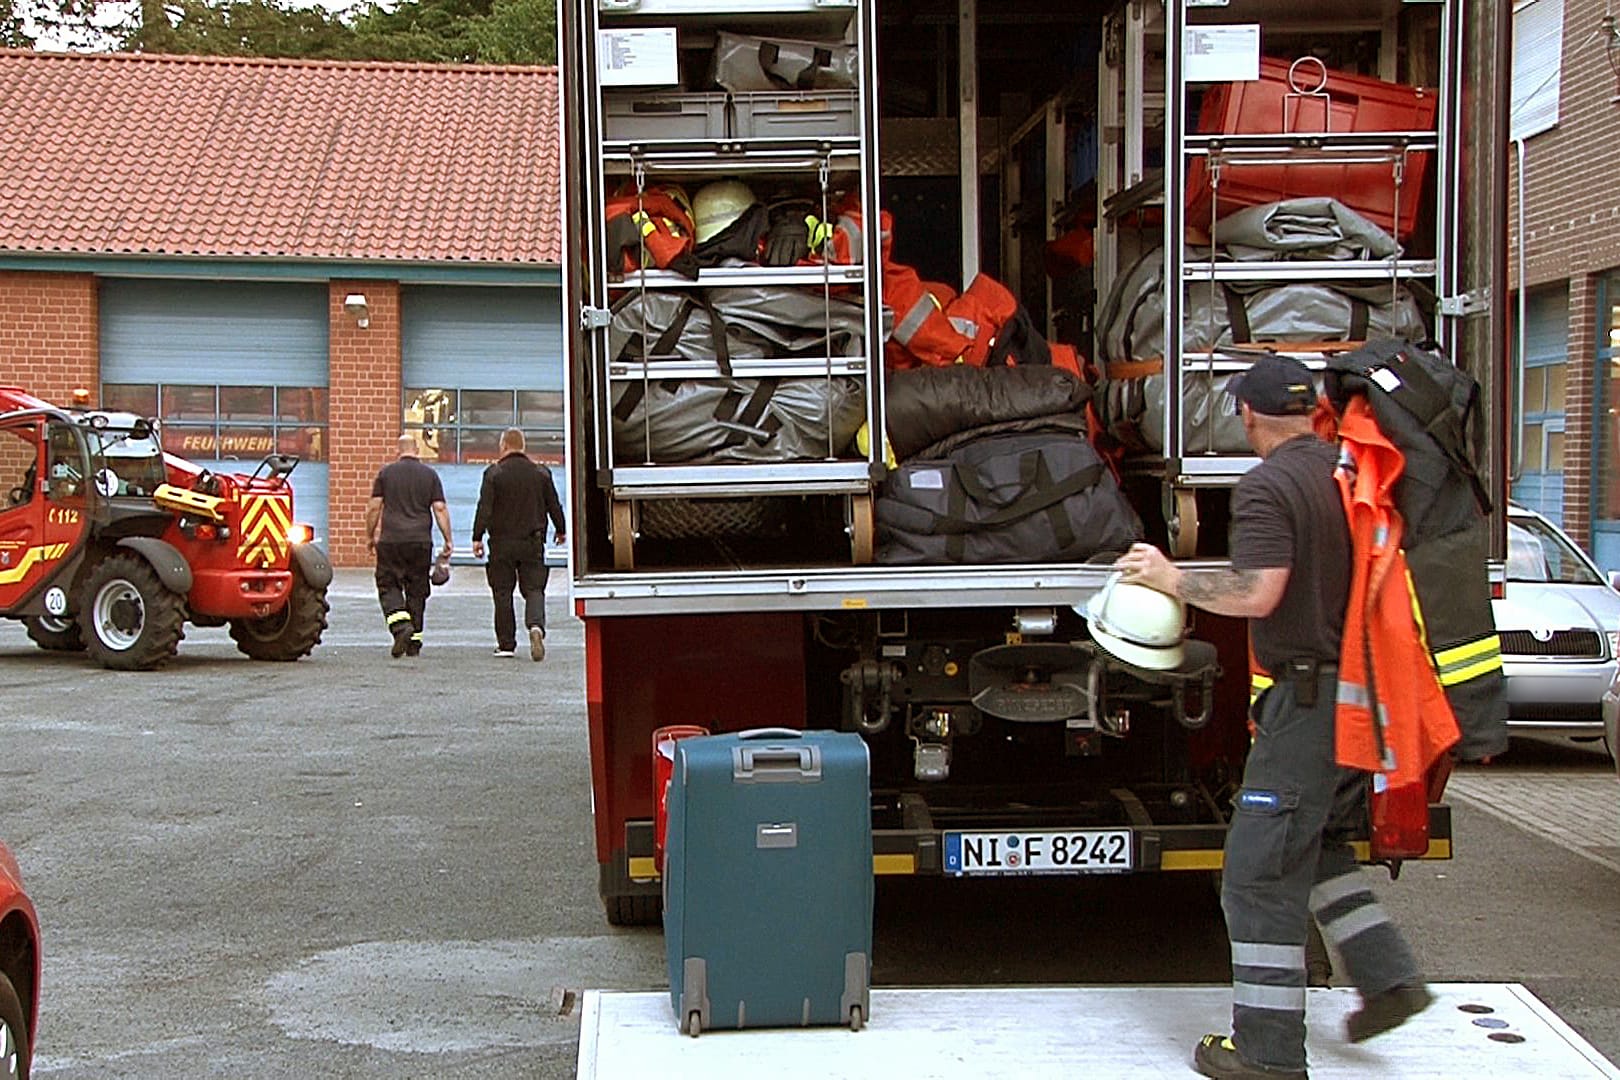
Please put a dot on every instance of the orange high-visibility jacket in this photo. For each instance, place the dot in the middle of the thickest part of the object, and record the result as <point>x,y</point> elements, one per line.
<point>1384,659</point>
<point>650,228</point>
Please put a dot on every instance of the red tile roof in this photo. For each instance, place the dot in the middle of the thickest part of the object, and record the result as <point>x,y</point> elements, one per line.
<point>232,157</point>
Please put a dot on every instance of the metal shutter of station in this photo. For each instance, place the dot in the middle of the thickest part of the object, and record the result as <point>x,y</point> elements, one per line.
<point>232,333</point>
<point>1546,331</point>
<point>481,338</point>
<point>1538,50</point>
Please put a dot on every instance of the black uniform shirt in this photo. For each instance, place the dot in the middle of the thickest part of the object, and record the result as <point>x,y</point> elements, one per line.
<point>1286,512</point>
<point>515,499</point>
<point>408,490</point>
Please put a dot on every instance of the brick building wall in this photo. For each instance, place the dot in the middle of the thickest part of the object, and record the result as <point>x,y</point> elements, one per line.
<point>49,327</point>
<point>1572,211</point>
<point>364,402</point>
<point>1572,229</point>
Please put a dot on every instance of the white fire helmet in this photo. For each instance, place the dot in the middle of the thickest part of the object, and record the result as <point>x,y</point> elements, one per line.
<point>1137,624</point>
<point>717,205</point>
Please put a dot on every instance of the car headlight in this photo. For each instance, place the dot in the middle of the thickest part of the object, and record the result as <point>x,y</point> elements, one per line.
<point>1614,643</point>
<point>303,534</point>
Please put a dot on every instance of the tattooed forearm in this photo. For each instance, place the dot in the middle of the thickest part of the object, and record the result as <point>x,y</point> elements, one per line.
<point>1204,587</point>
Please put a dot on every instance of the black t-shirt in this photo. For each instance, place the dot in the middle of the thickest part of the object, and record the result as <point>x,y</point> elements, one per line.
<point>408,490</point>
<point>1287,512</point>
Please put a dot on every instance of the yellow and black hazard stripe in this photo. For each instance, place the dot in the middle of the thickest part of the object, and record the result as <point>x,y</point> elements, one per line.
<point>1468,660</point>
<point>266,520</point>
<point>43,553</point>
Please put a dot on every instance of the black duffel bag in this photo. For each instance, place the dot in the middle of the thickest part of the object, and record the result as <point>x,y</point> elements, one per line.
<point>1039,497</point>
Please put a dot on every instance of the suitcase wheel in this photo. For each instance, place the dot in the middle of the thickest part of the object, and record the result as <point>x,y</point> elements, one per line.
<point>694,1022</point>
<point>857,1018</point>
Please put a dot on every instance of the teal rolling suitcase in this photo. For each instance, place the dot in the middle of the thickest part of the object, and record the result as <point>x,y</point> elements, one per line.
<point>768,880</point>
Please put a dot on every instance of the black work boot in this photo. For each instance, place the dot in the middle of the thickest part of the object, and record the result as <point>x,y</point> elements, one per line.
<point>402,641</point>
<point>1386,1011</point>
<point>1216,1056</point>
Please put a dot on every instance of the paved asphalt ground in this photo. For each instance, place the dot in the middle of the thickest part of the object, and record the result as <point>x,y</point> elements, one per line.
<point>358,867</point>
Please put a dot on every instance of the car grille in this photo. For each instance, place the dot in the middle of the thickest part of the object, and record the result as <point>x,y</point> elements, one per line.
<point>1576,644</point>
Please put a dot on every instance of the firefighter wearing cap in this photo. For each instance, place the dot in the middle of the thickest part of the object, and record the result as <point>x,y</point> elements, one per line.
<point>1287,852</point>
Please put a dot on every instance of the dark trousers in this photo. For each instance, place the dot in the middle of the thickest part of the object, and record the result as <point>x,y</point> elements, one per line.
<point>1288,859</point>
<point>403,586</point>
<point>521,564</point>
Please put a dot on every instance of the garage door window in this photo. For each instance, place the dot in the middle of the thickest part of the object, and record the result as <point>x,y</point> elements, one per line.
<point>463,427</point>
<point>230,423</point>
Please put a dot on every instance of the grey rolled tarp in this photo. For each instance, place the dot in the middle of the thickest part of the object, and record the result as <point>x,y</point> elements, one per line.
<point>729,419</point>
<point>759,322</point>
<point>1134,411</point>
<point>735,420</point>
<point>1315,228</point>
<point>1242,313</point>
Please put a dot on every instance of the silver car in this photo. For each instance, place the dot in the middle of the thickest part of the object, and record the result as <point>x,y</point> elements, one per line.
<point>1560,628</point>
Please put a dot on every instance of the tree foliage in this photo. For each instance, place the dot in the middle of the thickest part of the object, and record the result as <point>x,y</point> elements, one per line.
<point>432,31</point>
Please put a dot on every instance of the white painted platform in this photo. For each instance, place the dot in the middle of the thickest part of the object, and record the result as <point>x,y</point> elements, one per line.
<point>1035,1032</point>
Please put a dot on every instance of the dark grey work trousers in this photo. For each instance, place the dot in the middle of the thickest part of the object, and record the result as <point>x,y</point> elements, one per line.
<point>1288,858</point>
<point>403,585</point>
<point>522,564</point>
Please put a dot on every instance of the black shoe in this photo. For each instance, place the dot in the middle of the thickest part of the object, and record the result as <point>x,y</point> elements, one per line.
<point>402,641</point>
<point>1216,1056</point>
<point>414,650</point>
<point>1386,1011</point>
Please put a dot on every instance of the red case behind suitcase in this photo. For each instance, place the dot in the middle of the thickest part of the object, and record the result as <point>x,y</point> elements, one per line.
<point>1358,103</point>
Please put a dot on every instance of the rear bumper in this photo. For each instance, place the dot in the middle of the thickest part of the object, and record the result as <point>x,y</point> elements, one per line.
<point>919,852</point>
<point>1556,697</point>
<point>238,593</point>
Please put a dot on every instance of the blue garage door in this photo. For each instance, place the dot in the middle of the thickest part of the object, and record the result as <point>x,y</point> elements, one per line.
<point>1540,484</point>
<point>235,370</point>
<point>478,361</point>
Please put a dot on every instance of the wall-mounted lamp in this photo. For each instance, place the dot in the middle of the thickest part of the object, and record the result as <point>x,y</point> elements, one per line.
<point>355,305</point>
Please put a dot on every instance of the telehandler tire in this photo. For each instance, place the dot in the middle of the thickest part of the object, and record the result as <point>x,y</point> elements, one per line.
<point>53,634</point>
<point>290,633</point>
<point>633,910</point>
<point>130,619</point>
<point>14,1037</point>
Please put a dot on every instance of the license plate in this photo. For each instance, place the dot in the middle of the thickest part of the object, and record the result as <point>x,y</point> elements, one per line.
<point>1069,851</point>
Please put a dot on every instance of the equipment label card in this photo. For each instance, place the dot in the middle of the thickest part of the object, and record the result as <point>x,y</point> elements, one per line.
<point>1229,53</point>
<point>640,57</point>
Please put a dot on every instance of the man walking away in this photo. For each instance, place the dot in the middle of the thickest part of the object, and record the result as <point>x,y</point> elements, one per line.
<point>514,501</point>
<point>1287,853</point>
<point>406,499</point>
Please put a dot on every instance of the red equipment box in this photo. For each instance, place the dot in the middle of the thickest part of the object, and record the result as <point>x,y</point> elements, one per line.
<point>1273,104</point>
<point>663,741</point>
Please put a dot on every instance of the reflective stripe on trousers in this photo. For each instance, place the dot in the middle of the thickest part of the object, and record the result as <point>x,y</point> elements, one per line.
<point>1267,976</point>
<point>1345,908</point>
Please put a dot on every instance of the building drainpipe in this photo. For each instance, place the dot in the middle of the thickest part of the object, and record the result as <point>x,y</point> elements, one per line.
<point>1516,428</point>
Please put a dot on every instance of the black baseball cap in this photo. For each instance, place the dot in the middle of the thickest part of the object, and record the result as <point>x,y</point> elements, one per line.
<point>1276,386</point>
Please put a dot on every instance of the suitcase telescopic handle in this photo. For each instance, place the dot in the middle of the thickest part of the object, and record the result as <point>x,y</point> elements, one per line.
<point>775,764</point>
